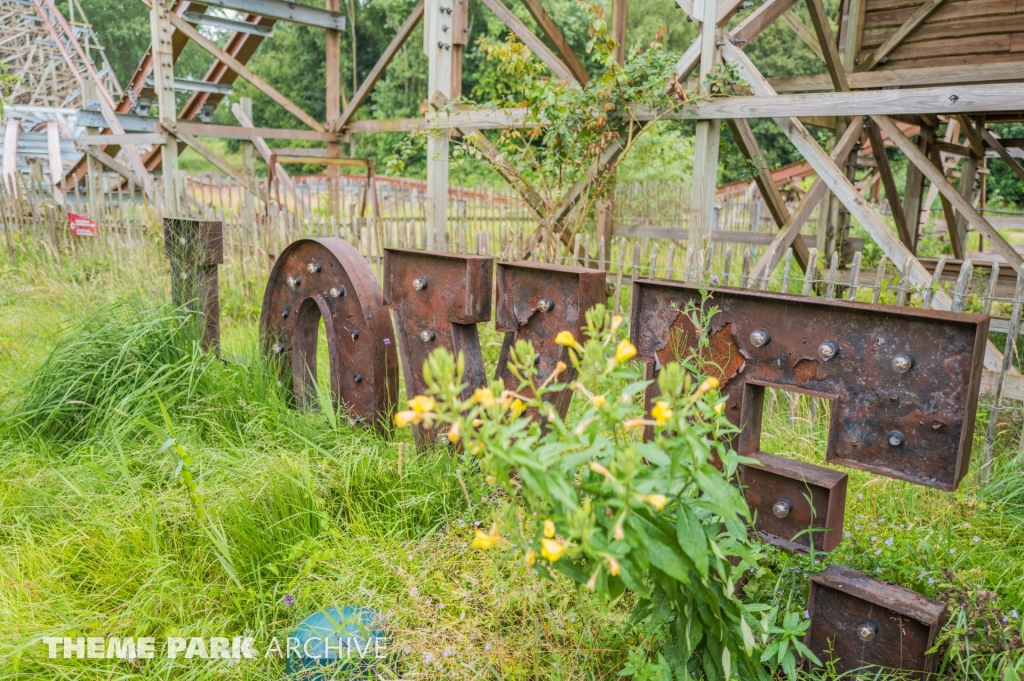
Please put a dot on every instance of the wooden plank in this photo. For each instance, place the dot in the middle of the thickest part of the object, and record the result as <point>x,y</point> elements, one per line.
<point>535,44</point>
<point>951,47</point>
<point>707,139</point>
<point>562,46</point>
<point>804,33</point>
<point>382,63</point>
<point>243,133</point>
<point>913,191</point>
<point>260,145</point>
<point>213,157</point>
<point>891,193</point>
<point>914,155</point>
<point>993,142</point>
<point>320,160</point>
<point>972,59</point>
<point>975,26</point>
<point>894,40</point>
<point>241,69</point>
<point>853,33</point>
<point>760,19</point>
<point>109,161</point>
<point>946,101</point>
<point>994,72</point>
<point>893,16</point>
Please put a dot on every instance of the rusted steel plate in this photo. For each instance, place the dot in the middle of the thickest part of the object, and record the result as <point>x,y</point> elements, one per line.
<point>437,300</point>
<point>903,382</point>
<point>791,497</point>
<point>860,621</point>
<point>328,279</point>
<point>195,248</point>
<point>534,302</point>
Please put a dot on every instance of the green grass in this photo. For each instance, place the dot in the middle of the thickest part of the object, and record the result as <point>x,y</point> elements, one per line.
<point>98,538</point>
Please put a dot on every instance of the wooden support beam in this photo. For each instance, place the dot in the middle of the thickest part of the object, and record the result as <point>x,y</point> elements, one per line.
<point>282,10</point>
<point>968,175</point>
<point>913,192</point>
<point>109,161</point>
<point>261,146</point>
<point>914,155</point>
<point>853,33</point>
<point>829,49</point>
<point>1000,149</point>
<point>707,140</point>
<point>533,200</point>
<point>889,182</point>
<point>163,82</point>
<point>744,138</point>
<point>213,157</point>
<point>947,207</point>
<point>11,132</point>
<point>808,202</point>
<point>441,58</point>
<point>122,140</point>
<point>618,29</point>
<point>973,138</point>
<point>332,76</point>
<point>382,63</point>
<point>804,33</point>
<point>527,37</point>
<point>900,34</point>
<point>235,132</point>
<point>562,46</point>
<point>927,76</point>
<point>243,71</point>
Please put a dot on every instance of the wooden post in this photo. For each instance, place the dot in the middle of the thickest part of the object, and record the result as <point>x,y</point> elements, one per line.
<point>195,249</point>
<point>605,207</point>
<point>94,170</point>
<point>333,71</point>
<point>163,82</point>
<point>445,63</point>
<point>913,194</point>
<point>705,163</point>
<point>248,170</point>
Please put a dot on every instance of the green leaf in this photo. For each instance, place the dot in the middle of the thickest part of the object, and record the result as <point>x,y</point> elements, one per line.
<point>789,666</point>
<point>691,538</point>
<point>665,558</point>
<point>748,635</point>
<point>727,662</point>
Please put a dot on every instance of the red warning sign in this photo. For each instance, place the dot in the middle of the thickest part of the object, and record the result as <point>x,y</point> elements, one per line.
<point>81,225</point>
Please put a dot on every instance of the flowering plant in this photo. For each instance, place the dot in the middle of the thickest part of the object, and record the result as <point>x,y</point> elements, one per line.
<point>592,501</point>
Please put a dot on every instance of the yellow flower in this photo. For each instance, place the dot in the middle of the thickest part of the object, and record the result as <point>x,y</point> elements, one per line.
<point>719,408</point>
<point>405,418</point>
<point>477,423</point>
<point>592,582</point>
<point>598,400</point>
<point>566,339</point>
<point>600,469</point>
<point>483,541</point>
<point>549,529</point>
<point>658,501</point>
<point>616,322</point>
<point>517,407</point>
<point>708,384</point>
<point>421,404</point>
<point>490,480</point>
<point>661,412</point>
<point>633,423</point>
<point>552,549</point>
<point>559,368</point>
<point>618,532</point>
<point>613,567</point>
<point>531,557</point>
<point>454,432</point>
<point>483,397</point>
<point>624,351</point>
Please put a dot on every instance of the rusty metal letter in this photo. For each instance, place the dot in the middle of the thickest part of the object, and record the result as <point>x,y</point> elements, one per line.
<point>437,300</point>
<point>328,279</point>
<point>535,302</point>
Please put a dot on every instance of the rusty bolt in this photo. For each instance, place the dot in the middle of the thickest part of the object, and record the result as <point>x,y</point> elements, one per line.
<point>355,334</point>
<point>895,438</point>
<point>546,305</point>
<point>901,364</point>
<point>866,630</point>
<point>781,508</point>
<point>293,282</point>
<point>314,267</point>
<point>427,335</point>
<point>284,313</point>
<point>828,350</point>
<point>419,284</point>
<point>358,378</point>
<point>337,292</point>
<point>277,348</point>
<point>759,338</point>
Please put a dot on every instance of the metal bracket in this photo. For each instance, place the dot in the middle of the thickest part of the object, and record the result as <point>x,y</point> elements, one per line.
<point>328,279</point>
<point>437,300</point>
<point>535,301</point>
<point>903,382</point>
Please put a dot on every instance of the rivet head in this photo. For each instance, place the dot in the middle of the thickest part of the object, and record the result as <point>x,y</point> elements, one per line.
<point>867,630</point>
<point>355,334</point>
<point>828,350</point>
<point>781,508</point>
<point>419,284</point>
<point>427,335</point>
<point>358,378</point>
<point>284,313</point>
<point>337,292</point>
<point>293,281</point>
<point>759,338</point>
<point>546,305</point>
<point>901,364</point>
<point>895,438</point>
<point>314,267</point>
<point>277,348</point>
